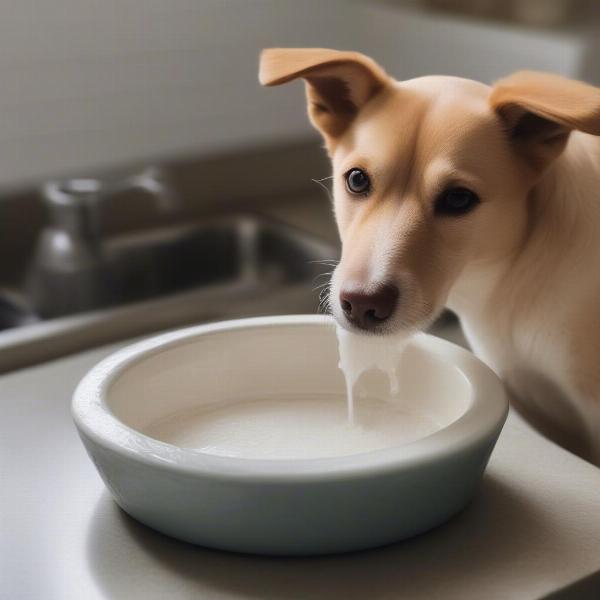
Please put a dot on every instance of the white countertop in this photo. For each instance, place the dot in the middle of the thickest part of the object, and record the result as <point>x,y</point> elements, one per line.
<point>533,528</point>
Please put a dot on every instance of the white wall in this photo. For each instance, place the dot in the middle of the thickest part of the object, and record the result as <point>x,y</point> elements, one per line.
<point>91,83</point>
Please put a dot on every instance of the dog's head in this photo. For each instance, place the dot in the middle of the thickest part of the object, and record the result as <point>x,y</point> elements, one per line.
<point>430,175</point>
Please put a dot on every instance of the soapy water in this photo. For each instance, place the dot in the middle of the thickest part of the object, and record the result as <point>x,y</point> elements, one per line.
<point>361,353</point>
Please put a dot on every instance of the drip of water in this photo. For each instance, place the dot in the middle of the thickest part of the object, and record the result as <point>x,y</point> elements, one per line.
<point>359,353</point>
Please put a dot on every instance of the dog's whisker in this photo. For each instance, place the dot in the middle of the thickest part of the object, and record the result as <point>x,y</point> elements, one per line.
<point>328,262</point>
<point>320,182</point>
<point>325,299</point>
<point>324,178</point>
<point>324,309</point>
<point>322,299</point>
<point>321,285</point>
<point>328,274</point>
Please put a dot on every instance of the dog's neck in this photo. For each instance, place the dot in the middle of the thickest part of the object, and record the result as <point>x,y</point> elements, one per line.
<point>564,214</point>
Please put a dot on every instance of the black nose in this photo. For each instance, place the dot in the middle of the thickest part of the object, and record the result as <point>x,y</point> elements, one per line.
<point>368,309</point>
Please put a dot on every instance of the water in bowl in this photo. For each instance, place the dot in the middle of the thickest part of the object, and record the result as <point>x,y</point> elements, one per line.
<point>292,427</point>
<point>300,427</point>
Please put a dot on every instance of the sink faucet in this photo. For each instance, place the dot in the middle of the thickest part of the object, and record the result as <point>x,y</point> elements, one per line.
<point>67,274</point>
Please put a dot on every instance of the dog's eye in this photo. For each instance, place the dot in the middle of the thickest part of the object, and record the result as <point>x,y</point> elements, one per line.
<point>456,201</point>
<point>358,182</point>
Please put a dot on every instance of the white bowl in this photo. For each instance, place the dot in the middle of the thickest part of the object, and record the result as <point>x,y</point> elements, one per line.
<point>284,506</point>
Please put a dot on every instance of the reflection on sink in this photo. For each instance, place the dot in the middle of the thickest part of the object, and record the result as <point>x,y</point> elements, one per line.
<point>13,313</point>
<point>254,253</point>
<point>221,268</point>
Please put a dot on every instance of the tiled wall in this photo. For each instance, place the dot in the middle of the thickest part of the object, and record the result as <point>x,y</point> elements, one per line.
<point>93,83</point>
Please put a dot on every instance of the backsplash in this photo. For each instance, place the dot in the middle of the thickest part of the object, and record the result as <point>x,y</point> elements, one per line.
<point>89,84</point>
<point>245,180</point>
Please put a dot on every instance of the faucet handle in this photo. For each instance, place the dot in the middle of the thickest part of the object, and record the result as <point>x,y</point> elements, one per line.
<point>92,191</point>
<point>153,180</point>
<point>74,204</point>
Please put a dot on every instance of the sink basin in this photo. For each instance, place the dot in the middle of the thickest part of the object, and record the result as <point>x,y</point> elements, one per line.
<point>254,252</point>
<point>223,267</point>
<point>14,312</point>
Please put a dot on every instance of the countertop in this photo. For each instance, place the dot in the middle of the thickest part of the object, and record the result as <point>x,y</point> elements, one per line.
<point>532,529</point>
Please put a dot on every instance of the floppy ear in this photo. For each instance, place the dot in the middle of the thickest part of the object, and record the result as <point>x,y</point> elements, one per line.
<point>338,83</point>
<point>540,111</point>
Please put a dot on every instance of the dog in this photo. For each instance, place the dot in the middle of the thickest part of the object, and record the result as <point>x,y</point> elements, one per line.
<point>486,200</point>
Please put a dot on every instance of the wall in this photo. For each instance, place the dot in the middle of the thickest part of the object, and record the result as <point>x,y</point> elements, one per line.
<point>94,83</point>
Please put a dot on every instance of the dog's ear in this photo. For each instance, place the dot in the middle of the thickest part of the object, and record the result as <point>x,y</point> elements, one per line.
<point>540,111</point>
<point>338,83</point>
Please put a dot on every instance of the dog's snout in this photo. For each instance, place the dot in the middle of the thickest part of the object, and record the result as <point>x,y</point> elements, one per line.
<point>368,309</point>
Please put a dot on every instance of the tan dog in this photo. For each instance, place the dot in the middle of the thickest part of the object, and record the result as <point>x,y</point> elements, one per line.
<point>486,200</point>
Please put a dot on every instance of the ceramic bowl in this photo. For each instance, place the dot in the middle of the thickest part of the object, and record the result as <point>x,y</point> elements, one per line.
<point>284,506</point>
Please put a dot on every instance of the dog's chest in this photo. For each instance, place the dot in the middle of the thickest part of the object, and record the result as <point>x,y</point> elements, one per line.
<point>533,363</point>
<point>534,352</point>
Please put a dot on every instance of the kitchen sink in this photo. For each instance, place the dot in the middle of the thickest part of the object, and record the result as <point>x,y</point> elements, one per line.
<point>219,268</point>
<point>14,312</point>
<point>222,267</point>
<point>253,253</point>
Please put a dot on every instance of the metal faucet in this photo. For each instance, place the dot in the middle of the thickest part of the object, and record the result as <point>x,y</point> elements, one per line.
<point>67,272</point>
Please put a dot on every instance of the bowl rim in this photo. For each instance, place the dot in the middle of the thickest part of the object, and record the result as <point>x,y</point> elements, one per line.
<point>482,420</point>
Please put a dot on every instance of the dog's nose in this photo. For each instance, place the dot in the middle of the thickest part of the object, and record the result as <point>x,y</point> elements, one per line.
<point>368,309</point>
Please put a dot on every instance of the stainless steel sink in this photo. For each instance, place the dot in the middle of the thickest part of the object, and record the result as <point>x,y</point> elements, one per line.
<point>14,311</point>
<point>255,253</point>
<point>219,268</point>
